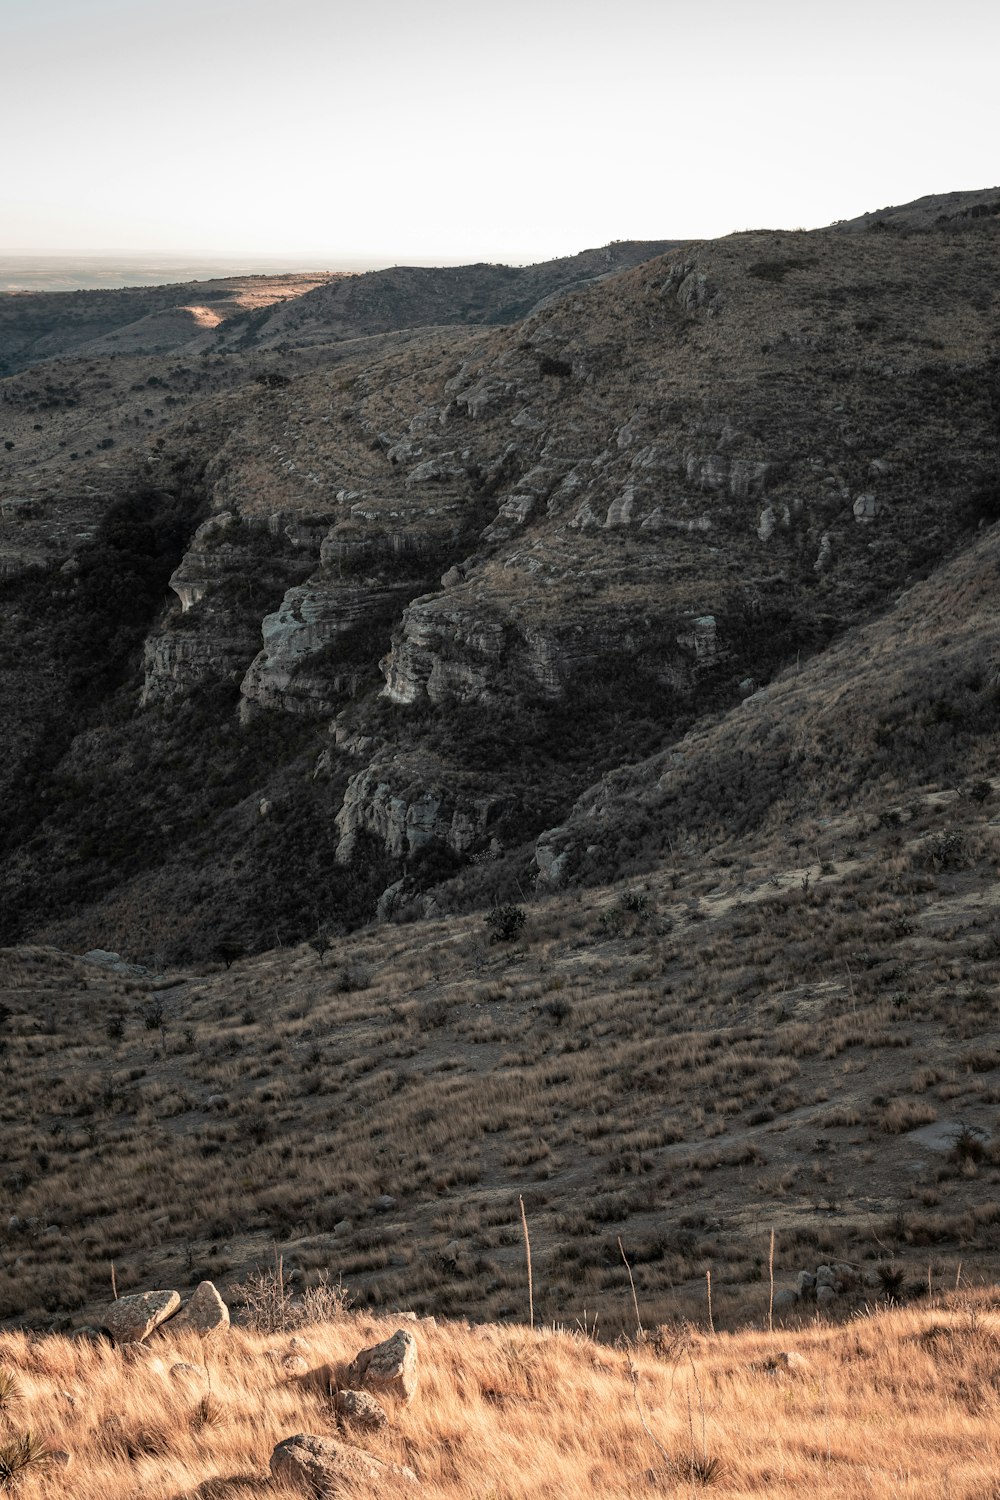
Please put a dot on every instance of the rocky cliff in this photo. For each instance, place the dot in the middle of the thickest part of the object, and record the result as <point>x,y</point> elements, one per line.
<point>459,575</point>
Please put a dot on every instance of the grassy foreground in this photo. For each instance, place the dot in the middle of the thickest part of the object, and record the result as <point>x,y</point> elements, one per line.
<point>898,1402</point>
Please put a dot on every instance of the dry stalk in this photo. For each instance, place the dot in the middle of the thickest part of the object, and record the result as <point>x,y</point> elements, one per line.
<point>527,1256</point>
<point>640,1333</point>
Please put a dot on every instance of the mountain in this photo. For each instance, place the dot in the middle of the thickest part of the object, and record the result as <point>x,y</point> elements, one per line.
<point>489,565</point>
<point>550,760</point>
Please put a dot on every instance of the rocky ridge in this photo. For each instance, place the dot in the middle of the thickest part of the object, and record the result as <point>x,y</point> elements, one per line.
<point>504,562</point>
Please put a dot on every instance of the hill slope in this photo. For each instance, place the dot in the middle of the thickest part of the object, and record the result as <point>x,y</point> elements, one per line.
<point>429,592</point>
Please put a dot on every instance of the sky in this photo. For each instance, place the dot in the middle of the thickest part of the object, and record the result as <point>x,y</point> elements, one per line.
<point>423,131</point>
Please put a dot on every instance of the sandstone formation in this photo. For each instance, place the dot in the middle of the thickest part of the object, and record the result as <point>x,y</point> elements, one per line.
<point>462,580</point>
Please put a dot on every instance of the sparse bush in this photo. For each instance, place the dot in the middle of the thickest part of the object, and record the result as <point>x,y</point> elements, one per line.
<point>320,944</point>
<point>270,1305</point>
<point>153,1014</point>
<point>945,851</point>
<point>228,952</point>
<point>505,922</point>
<point>636,902</point>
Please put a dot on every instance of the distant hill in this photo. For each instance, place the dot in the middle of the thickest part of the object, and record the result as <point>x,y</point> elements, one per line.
<point>933,211</point>
<point>238,313</point>
<point>415,296</point>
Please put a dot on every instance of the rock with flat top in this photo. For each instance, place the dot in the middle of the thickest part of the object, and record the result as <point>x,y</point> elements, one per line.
<point>132,1319</point>
<point>324,1468</point>
<point>389,1368</point>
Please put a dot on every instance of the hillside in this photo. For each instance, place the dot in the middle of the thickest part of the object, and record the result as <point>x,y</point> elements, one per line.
<point>897,1399</point>
<point>548,763</point>
<point>430,586</point>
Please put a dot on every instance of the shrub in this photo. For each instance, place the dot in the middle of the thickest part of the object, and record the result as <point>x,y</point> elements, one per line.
<point>18,1455</point>
<point>505,922</point>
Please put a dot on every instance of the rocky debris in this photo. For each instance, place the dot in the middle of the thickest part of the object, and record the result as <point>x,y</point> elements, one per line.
<point>18,508</point>
<point>825,1284</point>
<point>116,963</point>
<point>325,1468</point>
<point>389,1367</point>
<point>359,1409</point>
<point>866,508</point>
<point>132,1319</point>
<point>204,1312</point>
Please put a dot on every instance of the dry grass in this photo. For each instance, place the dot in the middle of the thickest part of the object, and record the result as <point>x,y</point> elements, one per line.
<point>683,1084</point>
<point>898,1403</point>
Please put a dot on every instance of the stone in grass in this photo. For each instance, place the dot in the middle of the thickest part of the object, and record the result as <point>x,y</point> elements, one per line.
<point>325,1468</point>
<point>191,1377</point>
<point>359,1409</point>
<point>132,1319</point>
<point>204,1312</point>
<point>389,1368</point>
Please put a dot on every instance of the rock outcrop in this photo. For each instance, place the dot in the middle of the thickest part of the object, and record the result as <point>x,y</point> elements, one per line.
<point>325,1468</point>
<point>321,644</point>
<point>359,1409</point>
<point>389,1368</point>
<point>406,803</point>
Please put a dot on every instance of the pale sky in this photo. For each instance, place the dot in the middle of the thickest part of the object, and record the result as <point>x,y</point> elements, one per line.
<point>432,130</point>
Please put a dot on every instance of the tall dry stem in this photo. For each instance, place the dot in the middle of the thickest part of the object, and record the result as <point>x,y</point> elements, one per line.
<point>527,1256</point>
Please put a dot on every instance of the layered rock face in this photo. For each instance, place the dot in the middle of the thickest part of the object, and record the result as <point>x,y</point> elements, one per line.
<point>507,561</point>
<point>318,647</point>
<point>637,529</point>
<point>410,802</point>
<point>213,635</point>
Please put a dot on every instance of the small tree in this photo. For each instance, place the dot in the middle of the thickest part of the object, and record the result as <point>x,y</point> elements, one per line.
<point>228,951</point>
<point>320,944</point>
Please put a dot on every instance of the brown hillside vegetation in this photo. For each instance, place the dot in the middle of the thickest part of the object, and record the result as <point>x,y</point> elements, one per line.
<point>681,1064</point>
<point>897,1403</point>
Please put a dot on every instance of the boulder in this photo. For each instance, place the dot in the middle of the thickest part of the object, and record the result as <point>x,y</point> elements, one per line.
<point>204,1312</point>
<point>132,1319</point>
<point>326,1468</point>
<point>359,1409</point>
<point>389,1367</point>
<point>825,1294</point>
